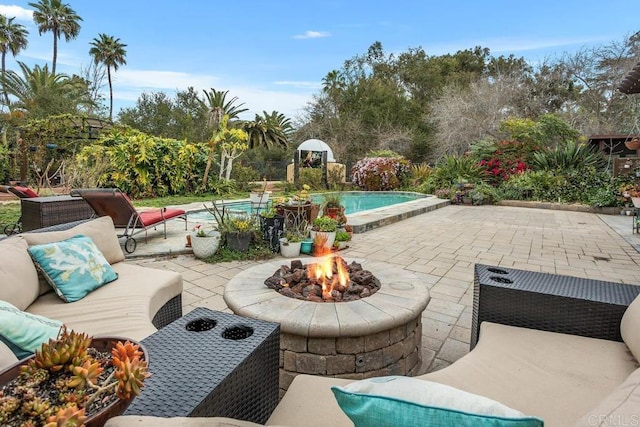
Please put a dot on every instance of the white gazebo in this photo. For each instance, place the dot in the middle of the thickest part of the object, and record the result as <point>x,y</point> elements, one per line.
<point>314,153</point>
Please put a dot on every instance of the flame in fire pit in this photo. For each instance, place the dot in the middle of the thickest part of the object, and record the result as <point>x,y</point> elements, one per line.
<point>323,273</point>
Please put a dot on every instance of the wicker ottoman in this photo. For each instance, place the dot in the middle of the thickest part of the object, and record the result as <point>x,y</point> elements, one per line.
<point>211,364</point>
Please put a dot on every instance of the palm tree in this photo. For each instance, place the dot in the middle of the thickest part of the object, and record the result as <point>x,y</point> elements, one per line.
<point>218,107</point>
<point>42,93</point>
<point>110,52</point>
<point>269,130</point>
<point>52,15</point>
<point>13,38</point>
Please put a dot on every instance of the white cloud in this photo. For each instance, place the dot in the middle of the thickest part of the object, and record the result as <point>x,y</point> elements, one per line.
<point>312,35</point>
<point>150,79</point>
<point>299,84</point>
<point>130,84</point>
<point>20,13</point>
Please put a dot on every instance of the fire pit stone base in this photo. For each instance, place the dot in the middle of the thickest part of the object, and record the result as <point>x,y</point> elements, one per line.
<point>391,352</point>
<point>377,335</point>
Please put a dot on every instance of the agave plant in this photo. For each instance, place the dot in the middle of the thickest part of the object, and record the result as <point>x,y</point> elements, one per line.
<point>68,381</point>
<point>567,157</point>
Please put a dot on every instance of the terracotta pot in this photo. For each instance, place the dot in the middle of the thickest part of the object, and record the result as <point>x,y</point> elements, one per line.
<point>633,144</point>
<point>114,409</point>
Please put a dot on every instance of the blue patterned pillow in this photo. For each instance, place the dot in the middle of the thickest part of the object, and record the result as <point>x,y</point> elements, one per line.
<point>23,332</point>
<point>404,401</point>
<point>74,267</point>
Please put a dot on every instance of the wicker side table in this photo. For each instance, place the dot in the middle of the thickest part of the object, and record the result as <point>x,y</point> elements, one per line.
<point>215,372</point>
<point>549,302</point>
<point>39,212</point>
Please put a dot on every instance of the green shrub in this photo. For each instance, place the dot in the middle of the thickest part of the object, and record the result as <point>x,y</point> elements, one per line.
<point>311,177</point>
<point>567,157</point>
<point>453,169</point>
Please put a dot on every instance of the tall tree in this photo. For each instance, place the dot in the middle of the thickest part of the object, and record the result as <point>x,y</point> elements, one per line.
<point>13,38</point>
<point>218,106</point>
<point>108,51</point>
<point>60,19</point>
<point>41,93</point>
<point>269,130</point>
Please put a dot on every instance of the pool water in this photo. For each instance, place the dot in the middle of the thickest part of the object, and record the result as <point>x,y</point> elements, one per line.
<point>353,202</point>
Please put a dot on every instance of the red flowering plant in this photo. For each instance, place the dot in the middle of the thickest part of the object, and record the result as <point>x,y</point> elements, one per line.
<point>505,161</point>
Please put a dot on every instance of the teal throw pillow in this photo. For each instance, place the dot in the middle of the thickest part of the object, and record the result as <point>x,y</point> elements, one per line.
<point>73,267</point>
<point>23,332</point>
<point>404,401</point>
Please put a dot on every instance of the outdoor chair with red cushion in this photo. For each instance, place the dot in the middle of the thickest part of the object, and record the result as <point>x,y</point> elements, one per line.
<point>116,204</point>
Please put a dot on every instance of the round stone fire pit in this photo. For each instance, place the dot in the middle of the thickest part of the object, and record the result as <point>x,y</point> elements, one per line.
<point>374,336</point>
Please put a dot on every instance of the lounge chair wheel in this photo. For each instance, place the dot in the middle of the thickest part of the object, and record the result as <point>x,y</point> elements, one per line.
<point>12,229</point>
<point>130,245</point>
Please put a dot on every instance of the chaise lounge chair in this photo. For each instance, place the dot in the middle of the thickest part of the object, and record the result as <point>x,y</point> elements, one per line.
<point>116,204</point>
<point>22,193</point>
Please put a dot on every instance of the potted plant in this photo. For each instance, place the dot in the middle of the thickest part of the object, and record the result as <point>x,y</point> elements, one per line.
<point>326,226</point>
<point>272,226</point>
<point>73,380</point>
<point>332,205</point>
<point>342,237</point>
<point>290,244</point>
<point>204,243</point>
<point>238,231</point>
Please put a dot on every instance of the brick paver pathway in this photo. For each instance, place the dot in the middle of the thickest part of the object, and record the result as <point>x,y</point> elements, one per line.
<point>441,247</point>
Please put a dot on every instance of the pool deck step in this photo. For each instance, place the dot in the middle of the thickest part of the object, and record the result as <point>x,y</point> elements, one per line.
<point>374,218</point>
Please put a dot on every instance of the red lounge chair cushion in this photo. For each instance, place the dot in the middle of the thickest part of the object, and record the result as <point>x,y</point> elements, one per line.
<point>28,193</point>
<point>149,218</point>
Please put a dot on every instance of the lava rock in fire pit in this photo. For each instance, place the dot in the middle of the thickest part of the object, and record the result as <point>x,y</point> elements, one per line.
<point>330,280</point>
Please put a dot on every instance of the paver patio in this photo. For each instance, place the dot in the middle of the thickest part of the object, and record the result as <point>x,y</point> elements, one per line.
<point>442,247</point>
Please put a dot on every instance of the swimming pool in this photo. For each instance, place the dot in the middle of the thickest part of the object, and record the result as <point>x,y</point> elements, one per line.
<point>353,202</point>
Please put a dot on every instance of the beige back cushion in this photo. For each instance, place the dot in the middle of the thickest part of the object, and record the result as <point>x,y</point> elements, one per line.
<point>630,326</point>
<point>100,230</point>
<point>18,275</point>
<point>621,407</point>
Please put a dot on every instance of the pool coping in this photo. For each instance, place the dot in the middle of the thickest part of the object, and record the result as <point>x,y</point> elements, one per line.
<point>361,222</point>
<point>364,221</point>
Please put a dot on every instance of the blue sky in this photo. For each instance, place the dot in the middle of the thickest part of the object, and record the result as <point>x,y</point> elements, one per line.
<point>273,54</point>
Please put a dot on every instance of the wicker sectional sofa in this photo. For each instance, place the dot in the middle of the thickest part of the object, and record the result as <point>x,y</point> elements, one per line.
<point>134,306</point>
<point>564,378</point>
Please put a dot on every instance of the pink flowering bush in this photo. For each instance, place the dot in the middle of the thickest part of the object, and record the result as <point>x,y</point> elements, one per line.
<point>380,173</point>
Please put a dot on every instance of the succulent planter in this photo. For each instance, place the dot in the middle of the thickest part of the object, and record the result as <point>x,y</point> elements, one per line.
<point>95,418</point>
<point>205,247</point>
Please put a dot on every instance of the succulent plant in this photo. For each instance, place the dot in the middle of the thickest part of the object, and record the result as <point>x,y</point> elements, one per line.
<point>59,385</point>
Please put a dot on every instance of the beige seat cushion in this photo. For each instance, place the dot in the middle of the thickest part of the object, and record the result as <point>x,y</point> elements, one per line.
<point>621,407</point>
<point>630,326</point>
<point>309,402</point>
<point>556,377</point>
<point>122,308</point>
<point>100,230</point>
<point>18,275</point>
